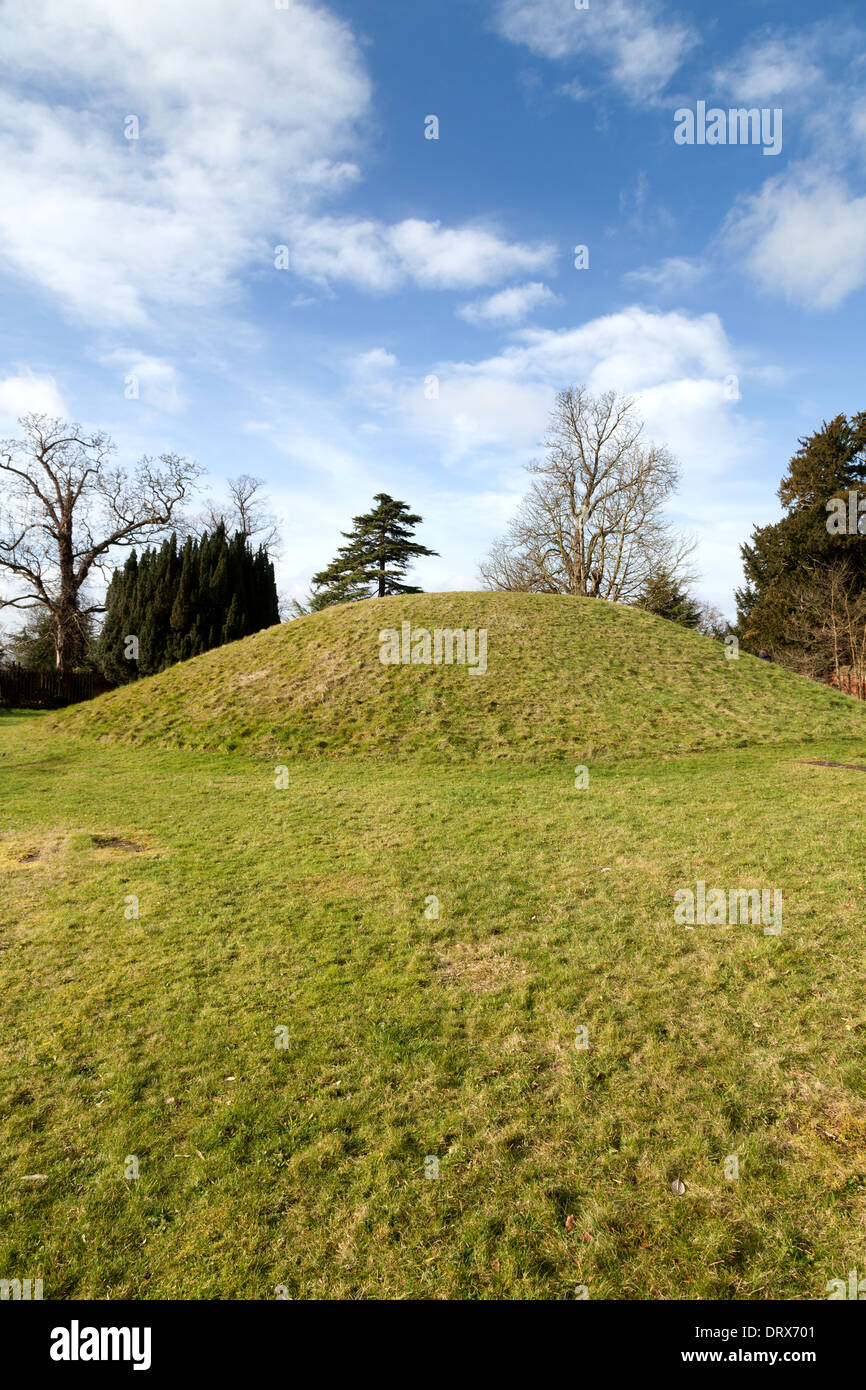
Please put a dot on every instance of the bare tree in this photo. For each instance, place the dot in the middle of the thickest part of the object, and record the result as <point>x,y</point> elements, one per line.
<point>67,506</point>
<point>826,627</point>
<point>247,511</point>
<point>713,622</point>
<point>591,523</point>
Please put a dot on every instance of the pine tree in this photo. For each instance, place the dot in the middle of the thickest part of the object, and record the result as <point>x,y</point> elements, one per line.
<point>380,550</point>
<point>347,588</point>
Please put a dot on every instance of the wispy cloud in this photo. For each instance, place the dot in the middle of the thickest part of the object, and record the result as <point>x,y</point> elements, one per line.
<point>152,380</point>
<point>374,256</point>
<point>631,43</point>
<point>673,275</point>
<point>510,306</point>
<point>769,68</point>
<point>802,236</point>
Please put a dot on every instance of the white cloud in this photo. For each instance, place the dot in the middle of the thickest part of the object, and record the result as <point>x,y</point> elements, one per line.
<point>247,117</point>
<point>374,360</point>
<point>631,350</point>
<point>779,66</point>
<point>803,236</point>
<point>509,306</point>
<point>491,414</point>
<point>637,48</point>
<point>29,394</point>
<point>241,109</point>
<point>155,381</point>
<point>374,256</point>
<point>483,418</point>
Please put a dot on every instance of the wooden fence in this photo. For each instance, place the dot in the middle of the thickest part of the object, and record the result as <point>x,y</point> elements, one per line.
<point>24,689</point>
<point>848,682</point>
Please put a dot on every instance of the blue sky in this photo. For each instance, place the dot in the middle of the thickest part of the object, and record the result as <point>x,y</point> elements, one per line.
<point>412,258</point>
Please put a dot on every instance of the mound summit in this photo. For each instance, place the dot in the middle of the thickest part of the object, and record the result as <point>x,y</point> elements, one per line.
<point>565,677</point>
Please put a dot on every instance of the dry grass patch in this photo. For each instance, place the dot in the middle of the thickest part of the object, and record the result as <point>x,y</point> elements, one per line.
<point>480,969</point>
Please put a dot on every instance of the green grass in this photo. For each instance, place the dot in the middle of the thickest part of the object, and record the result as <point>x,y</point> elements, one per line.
<point>304,909</point>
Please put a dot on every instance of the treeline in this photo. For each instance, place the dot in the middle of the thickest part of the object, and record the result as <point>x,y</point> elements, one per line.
<point>165,605</point>
<point>174,602</point>
<point>583,530</point>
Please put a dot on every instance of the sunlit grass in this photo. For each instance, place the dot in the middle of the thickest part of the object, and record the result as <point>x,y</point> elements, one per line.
<point>304,909</point>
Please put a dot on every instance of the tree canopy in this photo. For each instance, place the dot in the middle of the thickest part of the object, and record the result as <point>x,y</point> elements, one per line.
<point>67,506</point>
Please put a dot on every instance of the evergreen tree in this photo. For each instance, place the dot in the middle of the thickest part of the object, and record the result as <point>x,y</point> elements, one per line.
<point>180,645</point>
<point>829,463</point>
<point>118,621</point>
<point>180,603</point>
<point>380,549</point>
<point>664,595</point>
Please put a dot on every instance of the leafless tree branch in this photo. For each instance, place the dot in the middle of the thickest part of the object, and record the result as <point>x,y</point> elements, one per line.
<point>66,506</point>
<point>591,523</point>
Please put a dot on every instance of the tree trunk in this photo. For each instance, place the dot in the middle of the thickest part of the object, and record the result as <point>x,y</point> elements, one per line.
<point>68,645</point>
<point>68,642</point>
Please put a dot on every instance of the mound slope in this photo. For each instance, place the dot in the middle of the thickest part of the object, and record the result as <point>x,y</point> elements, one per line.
<point>565,677</point>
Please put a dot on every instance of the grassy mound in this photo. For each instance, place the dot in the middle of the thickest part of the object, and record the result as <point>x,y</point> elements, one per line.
<point>565,677</point>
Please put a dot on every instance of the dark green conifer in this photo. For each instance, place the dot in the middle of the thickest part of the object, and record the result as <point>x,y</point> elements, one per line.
<point>181,603</point>
<point>380,549</point>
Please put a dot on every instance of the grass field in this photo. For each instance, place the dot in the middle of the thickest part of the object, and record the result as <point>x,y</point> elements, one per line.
<point>301,916</point>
